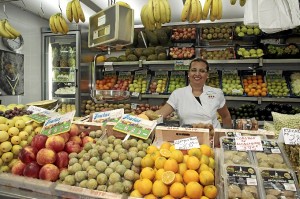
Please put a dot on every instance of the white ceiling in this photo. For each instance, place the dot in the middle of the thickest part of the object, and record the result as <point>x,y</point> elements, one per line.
<point>50,7</point>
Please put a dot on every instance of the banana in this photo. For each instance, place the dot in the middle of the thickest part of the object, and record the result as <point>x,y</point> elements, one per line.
<point>212,18</point>
<point>63,24</point>
<point>11,30</point>
<point>199,12</point>
<point>214,8</point>
<point>150,12</point>
<point>69,11</point>
<point>167,10</point>
<point>74,12</point>
<point>52,25</point>
<point>232,2</point>
<point>185,10</point>
<point>163,13</point>
<point>206,7</point>
<point>156,10</point>
<point>57,24</point>
<point>144,17</point>
<point>157,25</point>
<point>220,11</point>
<point>193,11</point>
<point>242,2</point>
<point>121,3</point>
<point>3,32</point>
<point>80,13</point>
<point>151,26</point>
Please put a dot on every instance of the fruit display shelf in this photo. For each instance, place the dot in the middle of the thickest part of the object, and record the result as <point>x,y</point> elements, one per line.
<point>281,51</point>
<point>158,84</point>
<point>214,79</point>
<point>294,82</point>
<point>184,35</point>
<point>123,81</point>
<point>140,82</point>
<point>178,79</point>
<point>247,33</point>
<point>217,33</point>
<point>277,85</point>
<point>249,52</point>
<point>254,83</point>
<point>231,83</point>
<point>181,53</point>
<point>217,53</point>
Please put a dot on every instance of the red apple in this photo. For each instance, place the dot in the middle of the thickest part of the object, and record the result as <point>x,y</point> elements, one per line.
<point>18,168</point>
<point>28,154</point>
<point>65,135</point>
<point>45,156</point>
<point>32,170</point>
<point>87,139</point>
<point>56,143</point>
<point>72,147</point>
<point>38,141</point>
<point>74,130</point>
<point>76,139</point>
<point>49,172</point>
<point>62,159</point>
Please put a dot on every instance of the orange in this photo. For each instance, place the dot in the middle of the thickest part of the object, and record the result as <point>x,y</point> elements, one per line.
<point>171,165</point>
<point>136,193</point>
<point>165,152</point>
<point>177,155</point>
<point>178,177</point>
<point>177,190</point>
<point>206,178</point>
<point>263,85</point>
<point>147,162</point>
<point>211,162</point>
<point>263,94</point>
<point>259,77</point>
<point>255,94</point>
<point>250,81</point>
<point>210,191</point>
<point>147,173</point>
<point>203,167</point>
<point>190,176</point>
<point>253,77</point>
<point>264,89</point>
<point>168,177</point>
<point>205,149</point>
<point>159,189</point>
<point>135,185</point>
<point>250,94</point>
<point>255,81</point>
<point>168,197</point>
<point>253,90</point>
<point>144,186</point>
<point>182,168</point>
<point>204,197</point>
<point>204,159</point>
<point>159,173</point>
<point>151,149</point>
<point>246,84</point>
<point>155,155</point>
<point>248,77</point>
<point>160,162</point>
<point>194,152</point>
<point>194,190</point>
<point>260,81</point>
<point>172,148</point>
<point>150,196</point>
<point>247,90</point>
<point>165,145</point>
<point>185,157</point>
<point>193,162</point>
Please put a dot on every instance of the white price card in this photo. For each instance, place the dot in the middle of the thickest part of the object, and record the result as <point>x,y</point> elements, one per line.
<point>108,66</point>
<point>248,143</point>
<point>289,187</point>
<point>135,94</point>
<point>187,143</point>
<point>291,136</point>
<point>251,181</point>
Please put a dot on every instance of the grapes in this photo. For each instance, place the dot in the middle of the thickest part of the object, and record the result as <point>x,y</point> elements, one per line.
<point>9,114</point>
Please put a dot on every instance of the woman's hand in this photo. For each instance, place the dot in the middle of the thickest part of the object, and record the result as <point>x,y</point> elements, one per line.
<point>226,117</point>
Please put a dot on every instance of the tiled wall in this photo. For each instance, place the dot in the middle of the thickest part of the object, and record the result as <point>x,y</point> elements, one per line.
<point>30,26</point>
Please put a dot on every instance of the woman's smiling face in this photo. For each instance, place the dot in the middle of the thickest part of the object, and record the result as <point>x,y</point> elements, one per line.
<point>198,73</point>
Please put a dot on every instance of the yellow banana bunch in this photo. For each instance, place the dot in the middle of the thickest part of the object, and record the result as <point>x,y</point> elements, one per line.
<point>242,3</point>
<point>214,8</point>
<point>74,11</point>
<point>122,3</point>
<point>58,24</point>
<point>192,11</point>
<point>155,13</point>
<point>7,31</point>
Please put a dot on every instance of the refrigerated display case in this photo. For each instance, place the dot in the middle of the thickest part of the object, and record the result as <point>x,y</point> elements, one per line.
<point>60,63</point>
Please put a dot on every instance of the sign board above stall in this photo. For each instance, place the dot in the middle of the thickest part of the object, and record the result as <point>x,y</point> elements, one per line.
<point>111,27</point>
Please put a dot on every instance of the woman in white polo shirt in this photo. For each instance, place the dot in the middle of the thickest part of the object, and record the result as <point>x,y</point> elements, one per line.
<point>197,102</point>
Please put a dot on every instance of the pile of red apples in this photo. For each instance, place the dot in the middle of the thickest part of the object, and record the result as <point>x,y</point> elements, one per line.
<point>47,156</point>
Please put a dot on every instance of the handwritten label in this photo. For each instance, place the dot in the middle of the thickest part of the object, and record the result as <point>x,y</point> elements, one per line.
<point>58,124</point>
<point>277,73</point>
<point>36,109</point>
<point>291,136</point>
<point>187,143</point>
<point>181,65</point>
<point>108,116</point>
<point>108,66</point>
<point>135,126</point>
<point>248,143</point>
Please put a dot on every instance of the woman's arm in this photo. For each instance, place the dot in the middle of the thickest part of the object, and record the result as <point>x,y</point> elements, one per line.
<point>166,110</point>
<point>226,118</point>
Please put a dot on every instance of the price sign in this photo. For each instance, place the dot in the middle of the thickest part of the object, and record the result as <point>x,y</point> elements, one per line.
<point>59,124</point>
<point>181,65</point>
<point>36,109</point>
<point>107,116</point>
<point>187,143</point>
<point>230,72</point>
<point>135,94</point>
<point>291,136</point>
<point>108,66</point>
<point>236,91</point>
<point>40,115</point>
<point>248,143</point>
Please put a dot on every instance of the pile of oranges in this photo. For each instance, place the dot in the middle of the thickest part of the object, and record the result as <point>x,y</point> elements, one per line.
<point>169,173</point>
<point>106,83</point>
<point>255,86</point>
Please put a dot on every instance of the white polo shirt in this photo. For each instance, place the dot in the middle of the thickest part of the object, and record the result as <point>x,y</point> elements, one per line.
<point>191,111</point>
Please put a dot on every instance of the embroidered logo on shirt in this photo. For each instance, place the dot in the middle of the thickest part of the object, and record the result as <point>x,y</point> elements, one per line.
<point>211,94</point>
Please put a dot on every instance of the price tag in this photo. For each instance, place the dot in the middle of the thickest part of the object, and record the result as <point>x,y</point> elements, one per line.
<point>275,150</point>
<point>236,91</point>
<point>135,94</point>
<point>230,72</point>
<point>40,115</point>
<point>181,65</point>
<point>187,143</point>
<point>291,136</point>
<point>277,73</point>
<point>35,109</point>
<point>289,187</point>
<point>108,116</point>
<point>134,105</point>
<point>251,181</point>
<point>248,143</point>
<point>108,66</point>
<point>59,124</point>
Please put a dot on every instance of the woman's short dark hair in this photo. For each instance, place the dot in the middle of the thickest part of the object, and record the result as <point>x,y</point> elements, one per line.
<point>199,60</point>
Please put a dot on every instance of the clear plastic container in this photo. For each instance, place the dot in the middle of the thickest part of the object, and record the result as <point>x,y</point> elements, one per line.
<point>241,182</point>
<point>278,184</point>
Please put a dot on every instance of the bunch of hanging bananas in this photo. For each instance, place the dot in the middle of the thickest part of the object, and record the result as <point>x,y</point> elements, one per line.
<point>192,11</point>
<point>74,11</point>
<point>7,31</point>
<point>122,3</point>
<point>215,9</point>
<point>155,13</point>
<point>242,2</point>
<point>58,24</point>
